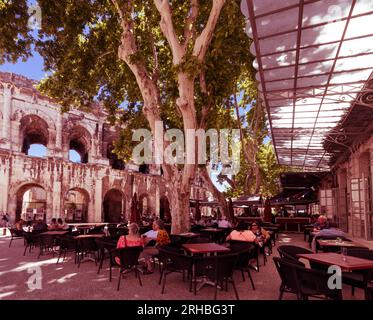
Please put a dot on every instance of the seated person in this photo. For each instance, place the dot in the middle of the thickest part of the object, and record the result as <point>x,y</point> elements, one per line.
<point>40,225</point>
<point>53,225</point>
<point>241,233</point>
<point>20,224</point>
<point>322,223</point>
<point>224,223</point>
<point>328,233</point>
<point>133,239</point>
<point>61,225</point>
<point>262,236</point>
<point>161,237</point>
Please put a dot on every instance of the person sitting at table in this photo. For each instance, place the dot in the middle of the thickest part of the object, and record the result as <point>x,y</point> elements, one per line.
<point>261,235</point>
<point>61,225</point>
<point>20,224</point>
<point>328,233</point>
<point>133,239</point>
<point>224,223</point>
<point>40,225</point>
<point>161,237</point>
<point>322,223</point>
<point>53,225</point>
<point>241,233</point>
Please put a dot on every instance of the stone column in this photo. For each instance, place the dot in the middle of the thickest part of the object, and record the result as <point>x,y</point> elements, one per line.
<point>97,202</point>
<point>58,146</point>
<point>7,112</point>
<point>49,206</point>
<point>4,184</point>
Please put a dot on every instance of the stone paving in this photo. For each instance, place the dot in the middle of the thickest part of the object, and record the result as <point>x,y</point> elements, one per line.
<point>66,281</point>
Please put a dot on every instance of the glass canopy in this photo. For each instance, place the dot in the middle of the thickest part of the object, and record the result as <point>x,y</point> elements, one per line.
<point>313,58</point>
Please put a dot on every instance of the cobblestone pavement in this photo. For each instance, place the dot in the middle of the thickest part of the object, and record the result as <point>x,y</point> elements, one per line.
<point>66,281</point>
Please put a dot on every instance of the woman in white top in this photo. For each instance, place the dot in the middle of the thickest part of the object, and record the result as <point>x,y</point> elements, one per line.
<point>241,233</point>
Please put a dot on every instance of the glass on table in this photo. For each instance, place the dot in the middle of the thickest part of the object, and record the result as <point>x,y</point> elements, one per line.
<point>344,254</point>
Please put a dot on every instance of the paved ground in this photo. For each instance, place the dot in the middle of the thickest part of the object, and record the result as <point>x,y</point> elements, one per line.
<point>66,281</point>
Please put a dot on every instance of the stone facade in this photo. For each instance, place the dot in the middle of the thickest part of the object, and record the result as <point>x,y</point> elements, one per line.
<point>104,184</point>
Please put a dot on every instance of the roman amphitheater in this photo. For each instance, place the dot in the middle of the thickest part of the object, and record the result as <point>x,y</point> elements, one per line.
<point>99,187</point>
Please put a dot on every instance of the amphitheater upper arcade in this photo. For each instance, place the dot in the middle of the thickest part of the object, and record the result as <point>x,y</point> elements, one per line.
<point>27,118</point>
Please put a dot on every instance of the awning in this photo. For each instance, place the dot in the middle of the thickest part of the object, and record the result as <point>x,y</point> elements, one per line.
<point>313,58</point>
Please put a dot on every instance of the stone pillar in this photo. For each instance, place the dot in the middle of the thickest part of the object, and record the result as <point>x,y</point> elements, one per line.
<point>4,184</point>
<point>97,202</point>
<point>49,206</point>
<point>7,112</point>
<point>56,204</point>
<point>58,147</point>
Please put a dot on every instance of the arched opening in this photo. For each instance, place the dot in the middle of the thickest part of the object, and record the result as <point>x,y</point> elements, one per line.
<point>113,206</point>
<point>144,205</point>
<point>31,202</point>
<point>164,209</point>
<point>114,161</point>
<point>76,205</point>
<point>144,168</point>
<point>34,136</point>
<point>79,145</point>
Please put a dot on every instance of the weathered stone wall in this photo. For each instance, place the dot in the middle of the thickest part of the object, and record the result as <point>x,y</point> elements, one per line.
<point>26,114</point>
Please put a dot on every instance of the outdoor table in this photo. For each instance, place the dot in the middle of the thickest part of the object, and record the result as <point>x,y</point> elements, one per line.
<point>99,235</point>
<point>346,263</point>
<point>213,233</point>
<point>337,243</point>
<point>54,233</point>
<point>85,228</point>
<point>187,235</point>
<point>204,248</point>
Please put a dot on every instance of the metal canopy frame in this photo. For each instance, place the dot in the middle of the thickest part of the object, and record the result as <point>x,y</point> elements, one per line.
<point>313,58</point>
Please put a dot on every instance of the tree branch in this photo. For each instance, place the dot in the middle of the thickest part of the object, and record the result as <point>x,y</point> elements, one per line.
<point>167,27</point>
<point>189,23</point>
<point>203,40</point>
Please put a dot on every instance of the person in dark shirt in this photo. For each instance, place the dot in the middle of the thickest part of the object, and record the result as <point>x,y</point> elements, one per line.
<point>40,226</point>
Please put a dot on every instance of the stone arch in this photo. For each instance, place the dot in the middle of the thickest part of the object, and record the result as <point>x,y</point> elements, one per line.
<point>19,113</point>
<point>35,206</point>
<point>144,204</point>
<point>80,140</point>
<point>114,206</point>
<point>114,161</point>
<point>33,130</point>
<point>76,203</point>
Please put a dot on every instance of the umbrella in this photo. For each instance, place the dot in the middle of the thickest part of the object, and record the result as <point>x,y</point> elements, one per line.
<point>197,215</point>
<point>135,217</point>
<point>267,211</point>
<point>230,209</point>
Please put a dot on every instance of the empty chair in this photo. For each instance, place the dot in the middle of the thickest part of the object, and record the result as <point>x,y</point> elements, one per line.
<point>32,239</point>
<point>289,251</point>
<point>84,247</point>
<point>287,272</point>
<point>173,261</point>
<point>218,269</point>
<point>356,279</point>
<point>67,244</point>
<point>128,257</point>
<point>243,261</point>
<point>15,234</point>
<point>314,283</point>
<point>46,243</point>
<point>105,246</point>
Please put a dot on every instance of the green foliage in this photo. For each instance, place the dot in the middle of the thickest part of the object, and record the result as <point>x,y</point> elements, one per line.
<point>79,42</point>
